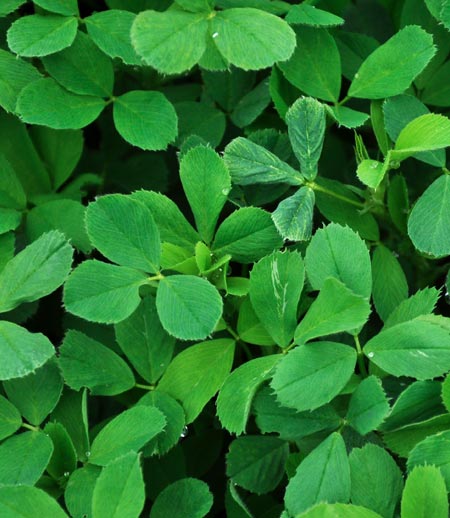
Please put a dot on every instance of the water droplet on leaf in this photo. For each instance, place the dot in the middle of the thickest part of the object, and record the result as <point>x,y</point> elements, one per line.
<point>370,355</point>
<point>184,432</point>
<point>215,35</point>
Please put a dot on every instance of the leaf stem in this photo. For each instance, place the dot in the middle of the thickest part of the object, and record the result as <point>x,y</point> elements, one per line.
<point>144,387</point>
<point>31,427</point>
<point>361,364</point>
<point>316,187</point>
<point>156,277</point>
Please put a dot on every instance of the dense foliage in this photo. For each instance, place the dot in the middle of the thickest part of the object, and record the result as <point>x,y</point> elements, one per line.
<point>224,242</point>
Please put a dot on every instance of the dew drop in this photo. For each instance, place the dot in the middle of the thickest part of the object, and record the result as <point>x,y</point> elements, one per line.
<point>370,355</point>
<point>226,191</point>
<point>356,75</point>
<point>88,454</point>
<point>184,432</point>
<point>66,474</point>
<point>215,35</point>
<point>447,297</point>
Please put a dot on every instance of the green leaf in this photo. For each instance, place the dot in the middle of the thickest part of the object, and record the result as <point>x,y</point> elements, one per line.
<point>110,31</point>
<point>12,194</point>
<point>257,463</point>
<point>315,66</point>
<point>196,374</point>
<point>9,220</point>
<point>368,406</point>
<point>36,394</point>
<point>323,475</point>
<point>67,216</point>
<point>172,224</point>
<point>252,39</point>
<point>10,420</point>
<point>312,375</point>
<point>185,498</point>
<point>236,395</point>
<point>200,120</point>
<point>306,126</point>
<point>249,327</point>
<point>79,491</point>
<point>15,74</point>
<point>425,133</point>
<point>432,450</point>
<point>248,234</point>
<point>425,494</point>
<point>206,182</point>
<point>336,251</point>
<point>175,420</point>
<point>8,6</point>
<point>390,286</point>
<point>251,105</point>
<point>23,458</point>
<point>250,163</point>
<point>82,68</point>
<point>7,245</point>
<point>127,432</point>
<point>28,502</point>
<point>145,342</point>
<point>347,117</point>
<point>288,423</point>
<point>37,35</point>
<point>422,302</point>
<point>119,490</point>
<point>293,216</point>
<point>338,511</point>
<point>336,309</point>
<point>36,271</point>
<point>436,91</point>
<point>408,51</point>
<point>46,103</point>
<point>124,231</point>
<point>419,348</point>
<point>145,119</point>
<point>158,37</point>
<point>64,457</point>
<point>189,307</point>
<point>377,481</point>
<point>65,7</point>
<point>87,363</point>
<point>305,14</point>
<point>276,283</point>
<point>196,6</point>
<point>103,292</point>
<point>22,352</point>
<point>371,172</point>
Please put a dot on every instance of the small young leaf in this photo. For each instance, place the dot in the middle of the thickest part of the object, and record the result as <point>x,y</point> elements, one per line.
<point>46,103</point>
<point>250,163</point>
<point>22,352</point>
<point>145,119</point>
<point>28,502</point>
<point>87,363</point>
<point>323,475</point>
<point>119,490</point>
<point>176,29</point>
<point>110,31</point>
<point>335,310</point>
<point>248,234</point>
<point>38,35</point>
<point>23,458</point>
<point>64,458</point>
<point>368,406</point>
<point>304,14</point>
<point>408,51</point>
<point>185,498</point>
<point>82,68</point>
<point>189,307</point>
<point>36,271</point>
<point>257,463</point>
<point>197,373</point>
<point>127,432</point>
<point>425,494</point>
<point>371,172</point>
<point>124,231</point>
<point>206,182</point>
<point>336,251</point>
<point>103,292</point>
<point>377,481</point>
<point>276,283</point>
<point>36,394</point>
<point>252,39</point>
<point>311,375</point>
<point>236,395</point>
<point>306,126</point>
<point>145,342</point>
<point>315,66</point>
<point>419,348</point>
<point>293,216</point>
<point>10,419</point>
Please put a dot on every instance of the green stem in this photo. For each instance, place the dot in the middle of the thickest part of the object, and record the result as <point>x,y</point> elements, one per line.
<point>240,342</point>
<point>289,347</point>
<point>156,277</point>
<point>31,427</point>
<point>316,187</point>
<point>144,387</point>
<point>362,365</point>
<point>343,101</point>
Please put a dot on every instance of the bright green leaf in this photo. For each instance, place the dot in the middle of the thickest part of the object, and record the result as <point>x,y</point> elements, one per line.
<point>65,7</point>
<point>293,216</point>
<point>10,419</point>
<point>422,302</point>
<point>28,502</point>
<point>304,14</point>
<point>79,491</point>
